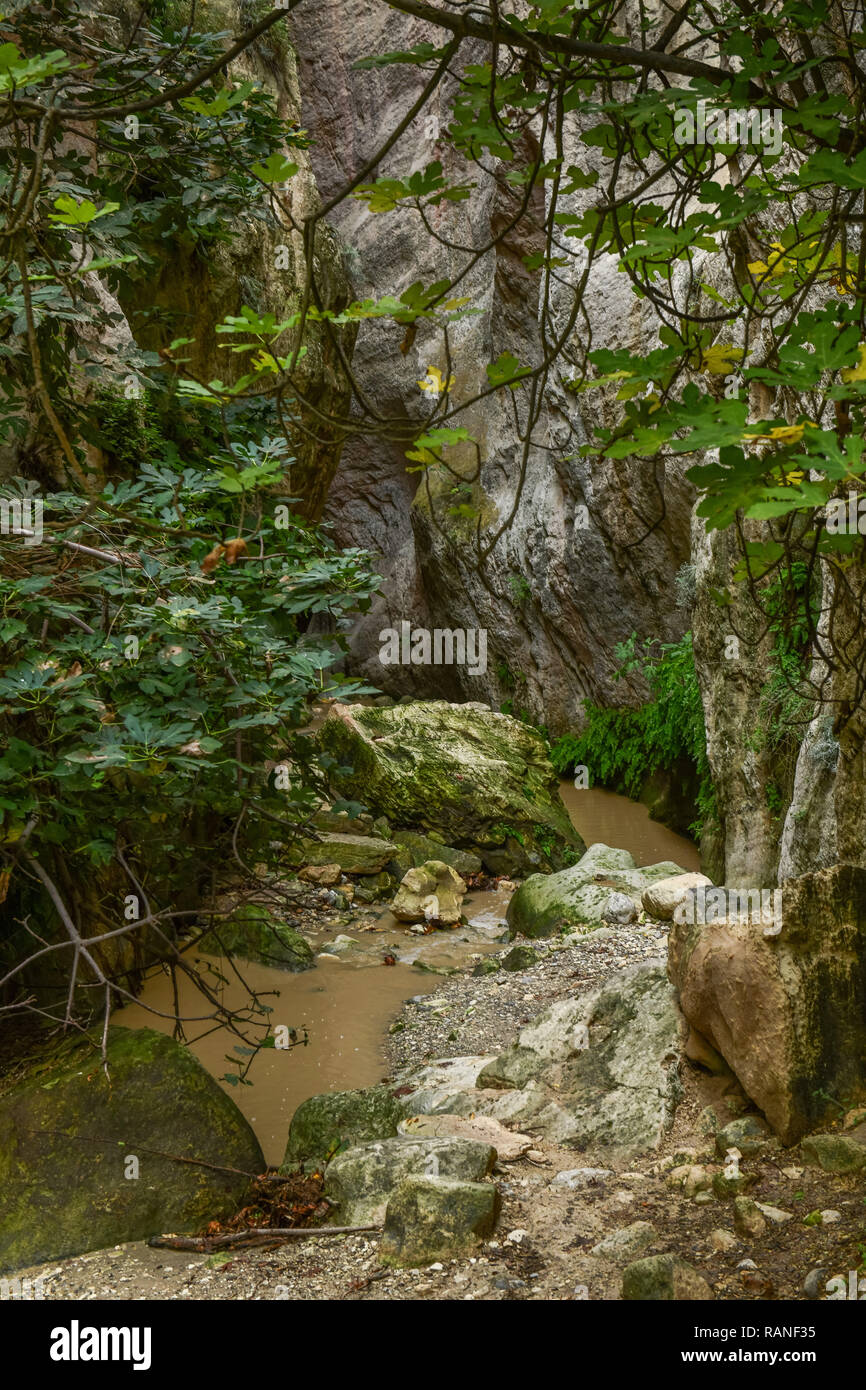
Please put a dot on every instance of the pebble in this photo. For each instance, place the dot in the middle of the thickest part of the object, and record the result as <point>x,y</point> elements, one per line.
<point>813,1284</point>
<point>829,1217</point>
<point>517,1237</point>
<point>747,1264</point>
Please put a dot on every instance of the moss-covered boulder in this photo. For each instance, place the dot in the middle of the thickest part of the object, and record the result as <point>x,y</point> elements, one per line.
<point>355,854</point>
<point>586,895</point>
<point>69,1133</point>
<point>434,1218</point>
<point>339,1119</point>
<point>480,779</point>
<point>424,847</point>
<point>253,933</point>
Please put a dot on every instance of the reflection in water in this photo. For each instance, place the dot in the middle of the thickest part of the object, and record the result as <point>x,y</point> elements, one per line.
<point>346,1012</point>
<point>614,820</point>
<point>347,1009</point>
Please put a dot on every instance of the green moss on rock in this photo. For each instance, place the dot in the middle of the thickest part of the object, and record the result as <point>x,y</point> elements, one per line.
<point>479,779</point>
<point>67,1129</point>
<point>252,933</point>
<point>339,1119</point>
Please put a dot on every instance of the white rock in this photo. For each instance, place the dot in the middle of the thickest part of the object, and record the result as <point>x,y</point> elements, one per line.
<point>660,899</point>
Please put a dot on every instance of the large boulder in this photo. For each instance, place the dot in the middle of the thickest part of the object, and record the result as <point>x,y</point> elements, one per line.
<point>68,1133</point>
<point>424,847</point>
<point>597,1072</point>
<point>355,854</point>
<point>325,1123</point>
<point>587,895</point>
<point>481,779</point>
<point>786,1011</point>
<point>431,893</point>
<point>434,1218</point>
<point>361,1180</point>
<point>253,933</point>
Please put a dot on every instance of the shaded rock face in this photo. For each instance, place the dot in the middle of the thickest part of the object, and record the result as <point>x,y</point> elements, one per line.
<point>479,778</point>
<point>586,588</point>
<point>787,1012</point>
<point>190,291</point>
<point>66,1134</point>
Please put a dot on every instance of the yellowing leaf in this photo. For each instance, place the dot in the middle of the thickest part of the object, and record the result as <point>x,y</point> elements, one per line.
<point>720,359</point>
<point>435,383</point>
<point>857,373</point>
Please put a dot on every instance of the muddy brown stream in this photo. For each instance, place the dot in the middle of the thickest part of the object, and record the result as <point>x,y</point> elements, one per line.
<point>346,1005</point>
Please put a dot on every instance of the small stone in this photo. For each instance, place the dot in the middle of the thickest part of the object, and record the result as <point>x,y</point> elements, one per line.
<point>325,875</point>
<point>576,1178</point>
<point>663,1278</point>
<point>774,1214</point>
<point>792,1173</point>
<point>697,1180</point>
<point>830,1217</point>
<point>723,1241</point>
<point>813,1284</point>
<point>625,1243</point>
<point>750,1134</point>
<point>855,1117</point>
<point>834,1153</point>
<point>702,1199</point>
<point>748,1221</point>
<point>517,1237</point>
<point>747,1264</point>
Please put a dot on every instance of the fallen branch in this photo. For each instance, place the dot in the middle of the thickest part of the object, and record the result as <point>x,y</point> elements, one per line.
<point>256,1235</point>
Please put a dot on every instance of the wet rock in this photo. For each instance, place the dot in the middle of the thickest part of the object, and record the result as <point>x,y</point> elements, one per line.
<point>432,893</point>
<point>480,779</point>
<point>581,896</point>
<point>762,1001</point>
<point>430,1219</point>
<point>362,1179</point>
<point>627,1242</point>
<point>488,966</point>
<point>748,1221</point>
<point>664,1278</point>
<point>66,1132</point>
<point>324,1123</point>
<point>834,1153</point>
<point>251,932</point>
<point>660,898</point>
